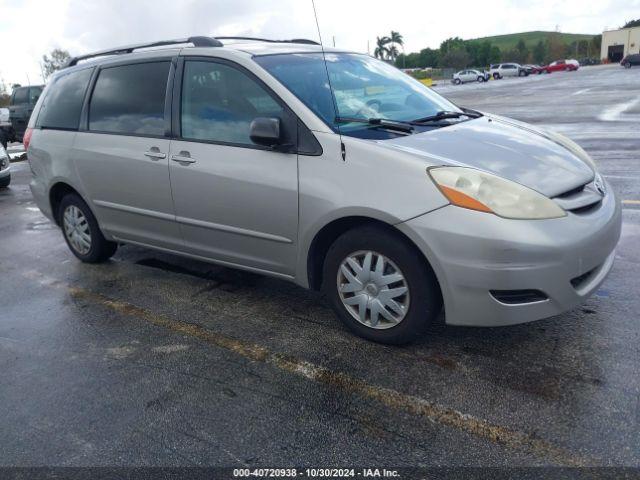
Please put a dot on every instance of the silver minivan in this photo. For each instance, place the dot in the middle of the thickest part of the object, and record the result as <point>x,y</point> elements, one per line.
<point>327,168</point>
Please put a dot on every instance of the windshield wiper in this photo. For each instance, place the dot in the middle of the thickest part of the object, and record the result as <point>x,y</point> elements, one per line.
<point>443,115</point>
<point>380,122</point>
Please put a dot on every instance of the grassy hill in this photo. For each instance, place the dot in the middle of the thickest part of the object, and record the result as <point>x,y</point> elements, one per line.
<point>509,41</point>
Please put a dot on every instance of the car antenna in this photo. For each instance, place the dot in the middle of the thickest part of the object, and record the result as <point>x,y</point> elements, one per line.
<point>343,150</point>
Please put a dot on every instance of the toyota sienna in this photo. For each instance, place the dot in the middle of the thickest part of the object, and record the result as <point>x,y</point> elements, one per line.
<point>327,168</point>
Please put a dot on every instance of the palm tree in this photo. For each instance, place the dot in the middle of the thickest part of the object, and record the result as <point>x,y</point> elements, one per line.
<point>395,39</point>
<point>393,52</point>
<point>381,50</point>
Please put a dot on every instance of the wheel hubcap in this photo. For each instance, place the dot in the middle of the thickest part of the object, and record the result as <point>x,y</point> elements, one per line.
<point>373,289</point>
<point>76,229</point>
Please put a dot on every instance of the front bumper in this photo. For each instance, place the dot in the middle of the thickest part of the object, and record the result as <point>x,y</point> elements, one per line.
<point>474,253</point>
<point>5,172</point>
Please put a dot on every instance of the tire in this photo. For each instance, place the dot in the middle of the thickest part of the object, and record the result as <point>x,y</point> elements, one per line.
<point>4,182</point>
<point>496,76</point>
<point>419,306</point>
<point>480,79</point>
<point>4,138</point>
<point>99,249</point>
<point>457,81</point>
<point>627,65</point>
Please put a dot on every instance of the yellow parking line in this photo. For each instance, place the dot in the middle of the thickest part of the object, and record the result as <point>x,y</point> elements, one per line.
<point>338,380</point>
<point>631,202</point>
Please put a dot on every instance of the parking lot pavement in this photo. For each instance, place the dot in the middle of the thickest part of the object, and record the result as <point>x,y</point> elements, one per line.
<point>151,359</point>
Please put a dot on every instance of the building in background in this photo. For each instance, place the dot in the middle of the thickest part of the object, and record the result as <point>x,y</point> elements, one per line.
<point>616,44</point>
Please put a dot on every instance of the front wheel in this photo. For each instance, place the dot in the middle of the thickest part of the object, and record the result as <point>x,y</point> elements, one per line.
<point>480,79</point>
<point>380,286</point>
<point>627,65</point>
<point>81,231</point>
<point>4,182</point>
<point>457,81</point>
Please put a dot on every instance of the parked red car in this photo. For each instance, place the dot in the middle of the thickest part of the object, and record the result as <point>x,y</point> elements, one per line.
<point>561,66</point>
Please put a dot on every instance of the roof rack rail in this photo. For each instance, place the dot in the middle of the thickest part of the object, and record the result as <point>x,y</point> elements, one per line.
<point>196,41</point>
<point>293,40</point>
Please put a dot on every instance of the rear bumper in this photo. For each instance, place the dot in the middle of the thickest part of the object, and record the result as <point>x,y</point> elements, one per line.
<point>474,253</point>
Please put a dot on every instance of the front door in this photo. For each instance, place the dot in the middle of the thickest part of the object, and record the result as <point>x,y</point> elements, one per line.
<point>236,202</point>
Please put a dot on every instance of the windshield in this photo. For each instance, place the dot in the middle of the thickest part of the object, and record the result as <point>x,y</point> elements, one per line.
<point>363,87</point>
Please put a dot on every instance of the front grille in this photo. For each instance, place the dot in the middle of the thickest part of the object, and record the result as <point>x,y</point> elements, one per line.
<point>580,280</point>
<point>515,297</point>
<point>573,191</point>
<point>580,200</point>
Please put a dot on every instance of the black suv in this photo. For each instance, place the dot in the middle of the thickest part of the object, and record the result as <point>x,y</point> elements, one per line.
<point>23,99</point>
<point>629,60</point>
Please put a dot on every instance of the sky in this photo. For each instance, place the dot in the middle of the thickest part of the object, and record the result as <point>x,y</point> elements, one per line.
<point>32,28</point>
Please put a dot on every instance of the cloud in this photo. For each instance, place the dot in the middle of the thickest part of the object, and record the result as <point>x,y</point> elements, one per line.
<point>31,28</point>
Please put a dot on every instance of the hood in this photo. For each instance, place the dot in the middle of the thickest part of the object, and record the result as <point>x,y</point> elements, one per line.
<point>507,148</point>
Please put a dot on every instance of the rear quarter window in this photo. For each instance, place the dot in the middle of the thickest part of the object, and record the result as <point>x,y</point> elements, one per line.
<point>62,105</point>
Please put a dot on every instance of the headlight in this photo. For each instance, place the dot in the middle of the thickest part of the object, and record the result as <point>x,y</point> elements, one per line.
<point>476,190</point>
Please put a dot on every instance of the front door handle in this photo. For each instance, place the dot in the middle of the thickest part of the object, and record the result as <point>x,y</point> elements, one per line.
<point>155,154</point>
<point>183,158</point>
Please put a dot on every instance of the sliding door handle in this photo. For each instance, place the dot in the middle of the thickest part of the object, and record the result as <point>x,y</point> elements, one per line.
<point>153,155</point>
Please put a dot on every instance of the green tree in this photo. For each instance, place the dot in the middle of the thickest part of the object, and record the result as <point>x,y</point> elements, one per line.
<point>539,52</point>
<point>55,62</point>
<point>632,23</point>
<point>457,58</point>
<point>555,47</point>
<point>522,52</point>
<point>429,57</point>
<point>381,51</point>
<point>451,44</point>
<point>395,39</point>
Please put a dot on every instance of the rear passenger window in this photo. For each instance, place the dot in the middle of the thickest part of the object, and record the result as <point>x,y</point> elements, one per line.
<point>130,99</point>
<point>63,103</point>
<point>219,103</point>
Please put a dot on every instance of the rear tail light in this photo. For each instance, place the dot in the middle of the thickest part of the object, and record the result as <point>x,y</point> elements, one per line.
<point>26,138</point>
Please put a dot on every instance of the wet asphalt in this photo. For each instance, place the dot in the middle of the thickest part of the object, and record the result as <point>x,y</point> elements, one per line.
<point>154,360</point>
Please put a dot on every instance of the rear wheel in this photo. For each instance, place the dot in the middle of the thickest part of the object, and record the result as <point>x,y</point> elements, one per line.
<point>81,232</point>
<point>627,65</point>
<point>380,286</point>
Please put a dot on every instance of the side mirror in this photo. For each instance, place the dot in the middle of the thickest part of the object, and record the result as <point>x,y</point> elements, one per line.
<point>265,131</point>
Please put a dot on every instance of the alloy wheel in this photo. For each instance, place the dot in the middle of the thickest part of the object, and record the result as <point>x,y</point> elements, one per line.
<point>373,289</point>
<point>76,229</point>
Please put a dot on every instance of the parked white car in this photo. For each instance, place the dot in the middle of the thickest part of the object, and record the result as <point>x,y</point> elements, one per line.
<point>502,70</point>
<point>464,76</point>
<point>5,168</point>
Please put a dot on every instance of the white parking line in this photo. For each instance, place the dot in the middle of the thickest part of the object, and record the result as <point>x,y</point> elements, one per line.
<point>614,113</point>
<point>580,92</point>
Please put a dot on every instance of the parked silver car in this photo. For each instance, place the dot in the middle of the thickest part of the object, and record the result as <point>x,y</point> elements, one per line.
<point>465,76</point>
<point>370,186</point>
<point>502,70</point>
